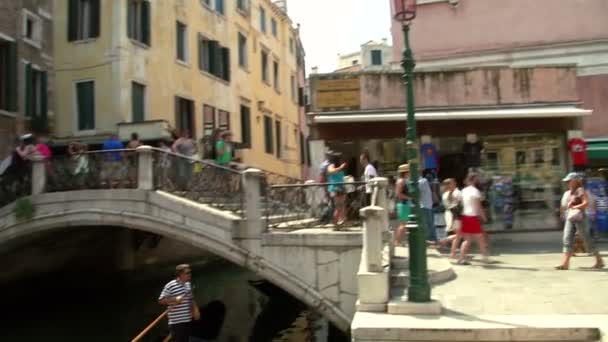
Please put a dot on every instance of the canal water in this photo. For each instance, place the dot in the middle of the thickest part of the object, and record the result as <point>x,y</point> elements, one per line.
<point>89,304</point>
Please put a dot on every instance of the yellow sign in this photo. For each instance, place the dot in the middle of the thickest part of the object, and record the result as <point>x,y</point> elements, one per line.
<point>338,94</point>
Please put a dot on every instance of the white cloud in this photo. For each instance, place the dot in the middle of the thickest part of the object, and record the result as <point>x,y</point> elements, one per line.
<point>330,27</point>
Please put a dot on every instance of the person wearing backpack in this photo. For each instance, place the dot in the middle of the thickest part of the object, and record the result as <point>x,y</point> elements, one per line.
<point>327,211</point>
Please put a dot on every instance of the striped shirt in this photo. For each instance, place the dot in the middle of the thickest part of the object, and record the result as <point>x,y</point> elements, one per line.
<point>182,312</point>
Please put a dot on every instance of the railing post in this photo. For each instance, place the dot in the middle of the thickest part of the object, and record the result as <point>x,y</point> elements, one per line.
<point>381,184</point>
<point>145,167</point>
<point>38,175</point>
<point>373,219</point>
<point>252,182</point>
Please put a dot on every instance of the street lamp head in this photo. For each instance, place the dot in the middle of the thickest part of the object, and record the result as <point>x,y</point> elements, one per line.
<point>405,11</point>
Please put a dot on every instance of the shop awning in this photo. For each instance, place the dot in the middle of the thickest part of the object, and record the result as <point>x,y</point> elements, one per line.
<point>480,114</point>
<point>597,149</point>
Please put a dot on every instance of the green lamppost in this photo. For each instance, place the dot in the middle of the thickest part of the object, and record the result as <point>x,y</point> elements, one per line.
<point>419,290</point>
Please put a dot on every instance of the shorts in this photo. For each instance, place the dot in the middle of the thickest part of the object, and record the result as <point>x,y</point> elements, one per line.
<point>470,225</point>
<point>403,211</point>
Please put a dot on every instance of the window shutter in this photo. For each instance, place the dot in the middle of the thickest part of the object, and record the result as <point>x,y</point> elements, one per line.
<point>215,57</point>
<point>11,76</point>
<point>137,102</point>
<point>268,136</point>
<point>86,105</point>
<point>95,18</point>
<point>145,22</point>
<point>226,64</point>
<point>201,51</point>
<point>278,132</point>
<point>28,91</point>
<point>178,121</point>
<point>73,20</point>
<point>130,19</point>
<point>43,96</point>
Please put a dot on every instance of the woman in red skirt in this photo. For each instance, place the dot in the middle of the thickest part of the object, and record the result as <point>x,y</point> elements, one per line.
<point>471,219</point>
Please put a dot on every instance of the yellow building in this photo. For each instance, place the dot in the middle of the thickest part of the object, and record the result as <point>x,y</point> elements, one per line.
<point>153,66</point>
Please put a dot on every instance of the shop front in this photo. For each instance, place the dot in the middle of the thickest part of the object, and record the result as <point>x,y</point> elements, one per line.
<point>521,160</point>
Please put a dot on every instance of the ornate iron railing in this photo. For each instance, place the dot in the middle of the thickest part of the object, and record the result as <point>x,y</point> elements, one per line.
<point>112,169</point>
<point>310,205</point>
<point>199,180</point>
<point>15,183</point>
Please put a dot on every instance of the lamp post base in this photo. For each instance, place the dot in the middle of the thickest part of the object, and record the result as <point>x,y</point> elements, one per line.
<point>398,307</point>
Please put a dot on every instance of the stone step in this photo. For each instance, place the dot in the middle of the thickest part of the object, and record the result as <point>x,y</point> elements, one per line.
<point>383,327</point>
<point>400,263</point>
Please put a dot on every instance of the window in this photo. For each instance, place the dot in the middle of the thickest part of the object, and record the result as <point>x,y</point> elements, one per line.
<point>184,116</point>
<point>273,27</point>
<point>138,21</point>
<point>35,93</point>
<point>520,158</point>
<point>219,6</point>
<point>83,19</point>
<point>308,158</point>
<point>492,160</point>
<point>245,126</point>
<point>242,5</point>
<point>376,57</point>
<point>293,89</point>
<point>138,102</point>
<point>539,156</point>
<point>208,120</point>
<point>243,55</point>
<point>355,62</point>
<point>181,32</point>
<point>262,19</point>
<point>223,120</point>
<point>268,136</point>
<point>206,3</point>
<point>32,28</point>
<point>302,149</point>
<point>85,104</point>
<point>301,100</point>
<point>555,160</point>
<point>265,66</point>
<point>8,76</point>
<point>291,46</point>
<point>275,69</point>
<point>277,125</point>
<point>213,58</point>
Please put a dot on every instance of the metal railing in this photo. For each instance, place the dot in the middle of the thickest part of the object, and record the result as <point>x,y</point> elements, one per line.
<point>111,169</point>
<point>310,205</point>
<point>15,183</point>
<point>199,180</point>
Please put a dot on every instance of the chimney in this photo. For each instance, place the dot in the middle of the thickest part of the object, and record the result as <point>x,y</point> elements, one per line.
<point>315,70</point>
<point>282,4</point>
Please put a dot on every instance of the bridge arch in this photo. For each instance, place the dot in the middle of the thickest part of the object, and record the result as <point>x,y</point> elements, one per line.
<point>160,213</point>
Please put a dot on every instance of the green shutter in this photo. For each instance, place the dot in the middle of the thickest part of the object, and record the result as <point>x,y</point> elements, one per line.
<point>86,105</point>
<point>145,22</point>
<point>72,20</point>
<point>245,126</point>
<point>130,19</point>
<point>201,51</point>
<point>95,18</point>
<point>43,96</point>
<point>268,136</point>
<point>28,91</point>
<point>278,132</point>
<point>137,102</point>
<point>11,77</point>
<point>215,58</point>
<point>226,64</point>
<point>181,55</point>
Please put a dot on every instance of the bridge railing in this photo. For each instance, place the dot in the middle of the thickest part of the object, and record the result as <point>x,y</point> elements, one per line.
<point>115,169</point>
<point>310,205</point>
<point>199,180</point>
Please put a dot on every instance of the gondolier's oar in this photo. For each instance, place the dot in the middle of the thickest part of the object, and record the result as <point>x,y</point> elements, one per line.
<point>149,327</point>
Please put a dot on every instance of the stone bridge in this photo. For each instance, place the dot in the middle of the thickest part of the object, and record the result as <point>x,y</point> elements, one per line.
<point>319,267</point>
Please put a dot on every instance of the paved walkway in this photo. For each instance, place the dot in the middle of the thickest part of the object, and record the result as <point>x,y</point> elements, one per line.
<point>523,282</point>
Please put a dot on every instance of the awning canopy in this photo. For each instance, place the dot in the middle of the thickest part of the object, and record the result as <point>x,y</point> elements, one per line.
<point>597,149</point>
<point>480,114</point>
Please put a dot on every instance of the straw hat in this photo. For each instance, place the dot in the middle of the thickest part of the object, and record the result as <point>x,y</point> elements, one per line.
<point>404,168</point>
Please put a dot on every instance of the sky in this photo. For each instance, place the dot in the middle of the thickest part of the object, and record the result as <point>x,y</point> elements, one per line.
<point>329,27</point>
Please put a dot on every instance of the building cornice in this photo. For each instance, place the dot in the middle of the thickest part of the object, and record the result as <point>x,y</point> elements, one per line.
<point>590,57</point>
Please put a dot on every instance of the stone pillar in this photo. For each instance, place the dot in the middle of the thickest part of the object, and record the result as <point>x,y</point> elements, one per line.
<point>38,175</point>
<point>381,184</point>
<point>372,237</point>
<point>252,181</point>
<point>145,167</point>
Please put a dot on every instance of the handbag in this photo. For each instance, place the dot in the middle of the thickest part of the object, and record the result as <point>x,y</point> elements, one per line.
<point>575,215</point>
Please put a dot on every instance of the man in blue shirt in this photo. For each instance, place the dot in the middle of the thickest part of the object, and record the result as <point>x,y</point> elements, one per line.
<point>113,165</point>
